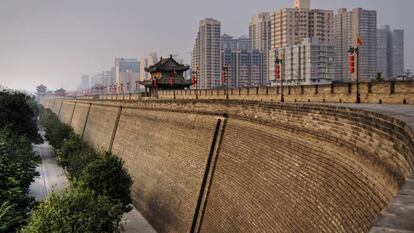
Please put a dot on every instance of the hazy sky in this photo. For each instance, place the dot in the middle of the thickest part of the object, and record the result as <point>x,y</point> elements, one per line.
<point>54,42</point>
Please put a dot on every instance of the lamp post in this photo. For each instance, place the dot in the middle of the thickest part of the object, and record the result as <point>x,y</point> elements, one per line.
<point>278,62</point>
<point>225,80</point>
<point>352,52</point>
<point>196,80</point>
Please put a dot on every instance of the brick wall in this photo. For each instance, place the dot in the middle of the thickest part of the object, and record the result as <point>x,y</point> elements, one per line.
<point>100,126</point>
<point>79,117</point>
<point>166,155</point>
<point>276,168</point>
<point>66,112</point>
<point>397,92</point>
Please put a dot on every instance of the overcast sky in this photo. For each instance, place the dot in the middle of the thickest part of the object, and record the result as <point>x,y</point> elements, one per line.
<point>54,42</point>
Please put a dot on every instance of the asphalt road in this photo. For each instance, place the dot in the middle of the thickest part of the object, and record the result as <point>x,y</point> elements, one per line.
<point>52,177</point>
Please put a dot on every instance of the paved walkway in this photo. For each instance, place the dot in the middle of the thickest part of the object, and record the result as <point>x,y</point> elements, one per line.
<point>401,112</point>
<point>135,222</point>
<point>52,177</point>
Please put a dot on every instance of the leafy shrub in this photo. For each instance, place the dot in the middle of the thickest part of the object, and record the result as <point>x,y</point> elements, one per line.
<point>76,210</point>
<point>18,114</point>
<point>75,154</point>
<point>56,131</point>
<point>18,165</point>
<point>10,217</point>
<point>88,169</point>
<point>107,176</point>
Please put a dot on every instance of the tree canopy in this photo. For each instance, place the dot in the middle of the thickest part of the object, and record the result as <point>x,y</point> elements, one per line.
<point>18,114</point>
<point>76,210</point>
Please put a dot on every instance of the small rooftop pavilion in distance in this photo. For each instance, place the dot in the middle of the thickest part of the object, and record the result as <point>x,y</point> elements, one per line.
<point>166,74</point>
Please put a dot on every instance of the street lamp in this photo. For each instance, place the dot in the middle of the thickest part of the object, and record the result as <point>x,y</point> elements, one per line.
<point>225,80</point>
<point>278,62</point>
<point>352,52</point>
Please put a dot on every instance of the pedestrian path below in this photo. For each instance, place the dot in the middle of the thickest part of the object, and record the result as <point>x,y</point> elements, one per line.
<point>52,177</point>
<point>135,222</point>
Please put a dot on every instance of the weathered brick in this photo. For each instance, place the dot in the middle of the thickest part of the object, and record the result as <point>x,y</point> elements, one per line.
<point>279,168</point>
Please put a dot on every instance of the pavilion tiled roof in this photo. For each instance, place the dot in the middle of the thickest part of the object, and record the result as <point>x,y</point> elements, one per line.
<point>167,64</point>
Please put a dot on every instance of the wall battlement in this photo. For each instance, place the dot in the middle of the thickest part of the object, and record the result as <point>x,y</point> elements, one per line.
<point>391,92</point>
<point>246,166</point>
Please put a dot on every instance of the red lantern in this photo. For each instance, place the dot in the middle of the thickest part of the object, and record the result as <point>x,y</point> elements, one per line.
<point>194,80</point>
<point>352,63</point>
<point>224,75</point>
<point>277,72</point>
<point>171,81</point>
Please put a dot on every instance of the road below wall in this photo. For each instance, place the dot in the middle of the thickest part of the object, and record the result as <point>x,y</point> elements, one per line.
<point>52,177</point>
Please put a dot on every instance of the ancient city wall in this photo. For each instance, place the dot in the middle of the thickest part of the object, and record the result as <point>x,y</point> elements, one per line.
<point>385,92</point>
<point>243,166</point>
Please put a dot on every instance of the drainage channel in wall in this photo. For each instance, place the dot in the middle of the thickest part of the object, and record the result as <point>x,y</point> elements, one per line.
<point>209,173</point>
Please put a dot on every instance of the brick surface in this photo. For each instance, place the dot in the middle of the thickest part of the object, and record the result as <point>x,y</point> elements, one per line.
<point>166,154</point>
<point>280,168</point>
<point>100,126</point>
<point>66,112</point>
<point>380,92</point>
<point>79,117</point>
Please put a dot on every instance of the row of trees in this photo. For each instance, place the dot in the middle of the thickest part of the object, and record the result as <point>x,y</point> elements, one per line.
<point>18,162</point>
<point>100,186</point>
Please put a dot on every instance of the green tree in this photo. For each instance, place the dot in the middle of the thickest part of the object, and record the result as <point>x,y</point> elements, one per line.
<point>107,176</point>
<point>18,115</point>
<point>10,218</point>
<point>76,210</point>
<point>56,131</point>
<point>75,154</point>
<point>18,165</point>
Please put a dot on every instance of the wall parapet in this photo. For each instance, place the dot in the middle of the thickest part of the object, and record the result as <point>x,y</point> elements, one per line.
<point>383,92</point>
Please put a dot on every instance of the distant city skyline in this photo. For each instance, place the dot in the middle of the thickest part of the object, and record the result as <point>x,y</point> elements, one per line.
<point>55,43</point>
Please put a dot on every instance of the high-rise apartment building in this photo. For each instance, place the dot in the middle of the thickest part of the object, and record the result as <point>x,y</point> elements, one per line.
<point>195,55</point>
<point>397,67</point>
<point>85,82</point>
<point>390,52</point>
<point>103,79</point>
<point>348,26</point>
<point>126,73</point>
<point>244,65</point>
<point>308,63</point>
<point>259,36</point>
<point>229,42</point>
<point>303,4</point>
<point>207,54</point>
<point>291,25</point>
<point>145,62</point>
